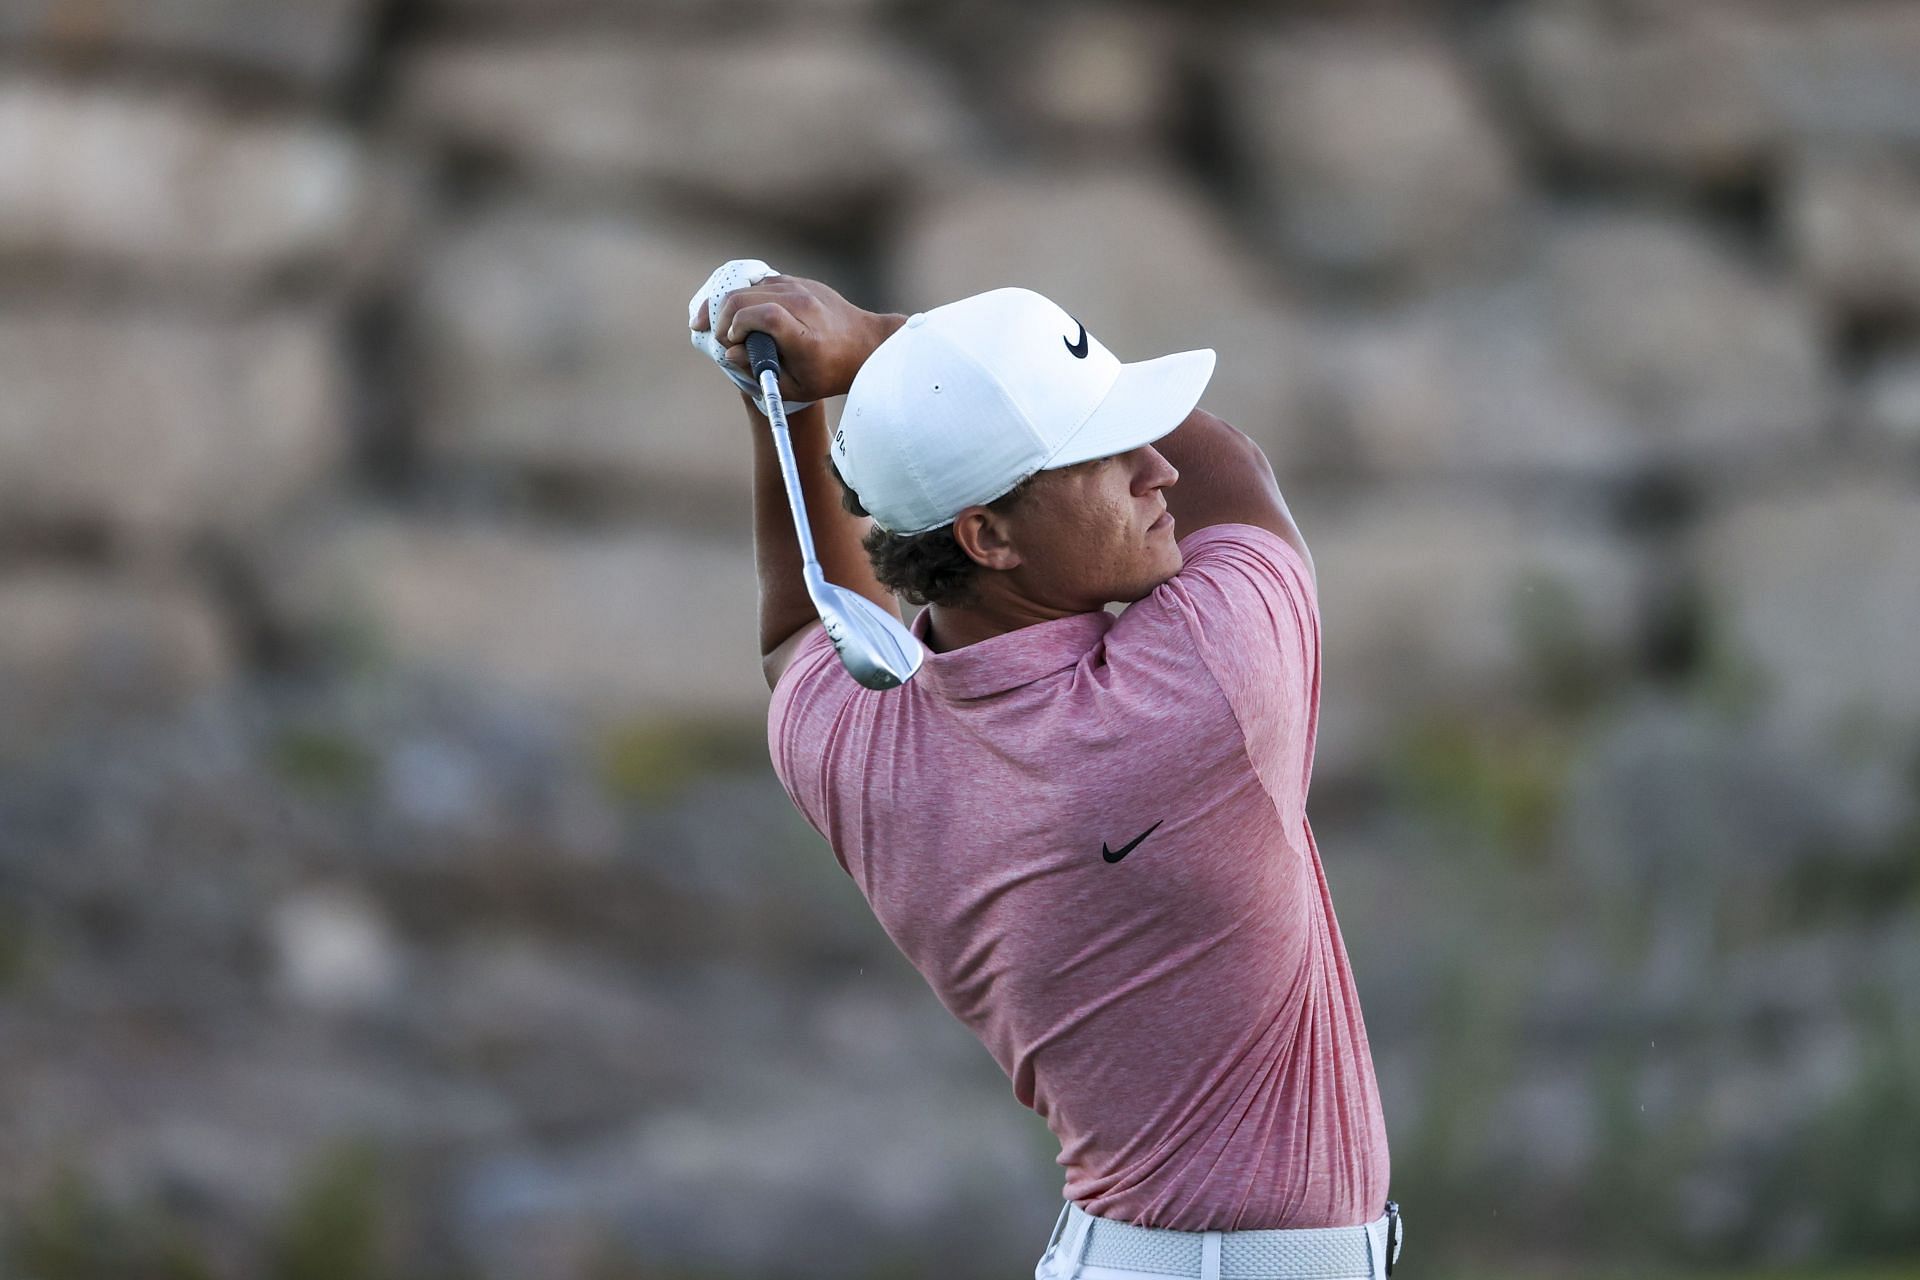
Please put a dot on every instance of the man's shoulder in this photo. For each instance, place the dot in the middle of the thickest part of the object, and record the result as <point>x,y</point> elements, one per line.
<point>776,664</point>
<point>1224,566</point>
<point>806,675</point>
<point>1224,540</point>
<point>1241,610</point>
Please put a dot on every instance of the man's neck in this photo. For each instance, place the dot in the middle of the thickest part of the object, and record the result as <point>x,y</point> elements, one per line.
<point>951,628</point>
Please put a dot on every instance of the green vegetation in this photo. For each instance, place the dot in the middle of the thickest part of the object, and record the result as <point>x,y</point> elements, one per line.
<point>1727,679</point>
<point>1565,668</point>
<point>653,761</point>
<point>1475,1016</point>
<point>1852,888</point>
<point>331,1231</point>
<point>1499,785</point>
<point>323,760</point>
<point>613,1262</point>
<point>71,1232</point>
<point>1858,1162</point>
<point>332,1226</point>
<point>16,951</point>
<point>1500,782</point>
<point>1640,1160</point>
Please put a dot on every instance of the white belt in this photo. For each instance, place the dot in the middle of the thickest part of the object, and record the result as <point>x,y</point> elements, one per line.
<point>1091,1248</point>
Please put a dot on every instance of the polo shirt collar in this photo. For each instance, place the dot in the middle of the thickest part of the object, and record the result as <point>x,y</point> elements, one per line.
<point>1012,658</point>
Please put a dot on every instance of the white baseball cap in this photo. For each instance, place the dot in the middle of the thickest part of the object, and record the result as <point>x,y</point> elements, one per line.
<point>967,400</point>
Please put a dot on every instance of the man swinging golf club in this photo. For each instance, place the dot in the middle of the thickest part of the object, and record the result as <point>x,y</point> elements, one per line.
<point>1087,832</point>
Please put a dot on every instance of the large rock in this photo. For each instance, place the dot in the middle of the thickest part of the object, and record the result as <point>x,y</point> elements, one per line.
<point>1712,360</point>
<point>81,649</point>
<point>541,15</point>
<point>1471,381</point>
<point>569,1037</point>
<point>1145,266</point>
<point>555,344</point>
<point>1814,593</point>
<point>806,127</point>
<point>615,626</point>
<point>1847,73</point>
<point>1372,155</point>
<point>1889,398</point>
<point>309,41</point>
<point>241,1133</point>
<point>1438,607</point>
<point>1680,99</point>
<point>1856,227</point>
<point>153,424</point>
<point>1090,77</point>
<point>1709,92</point>
<point>159,185</point>
<point>1685,830</point>
<point>819,1105</point>
<point>334,950</point>
<point>1625,343</point>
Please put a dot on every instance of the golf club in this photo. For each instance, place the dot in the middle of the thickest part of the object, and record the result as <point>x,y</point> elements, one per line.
<point>876,649</point>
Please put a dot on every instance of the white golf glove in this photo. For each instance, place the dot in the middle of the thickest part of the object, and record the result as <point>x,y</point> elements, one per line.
<point>737,274</point>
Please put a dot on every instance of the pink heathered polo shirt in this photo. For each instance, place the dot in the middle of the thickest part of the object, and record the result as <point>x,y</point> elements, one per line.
<point>1184,1017</point>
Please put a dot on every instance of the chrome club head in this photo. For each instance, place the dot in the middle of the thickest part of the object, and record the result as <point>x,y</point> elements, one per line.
<point>876,649</point>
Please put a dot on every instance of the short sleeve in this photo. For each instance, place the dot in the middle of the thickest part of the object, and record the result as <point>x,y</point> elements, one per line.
<point>800,722</point>
<point>1247,600</point>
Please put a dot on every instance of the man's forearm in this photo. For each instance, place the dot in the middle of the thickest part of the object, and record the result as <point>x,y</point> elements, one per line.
<point>1225,477</point>
<point>784,604</point>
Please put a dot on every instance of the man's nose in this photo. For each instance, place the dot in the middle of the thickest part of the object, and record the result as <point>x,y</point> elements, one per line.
<point>1157,473</point>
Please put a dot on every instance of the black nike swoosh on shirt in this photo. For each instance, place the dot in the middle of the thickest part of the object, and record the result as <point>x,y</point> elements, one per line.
<point>1079,350</point>
<point>1114,855</point>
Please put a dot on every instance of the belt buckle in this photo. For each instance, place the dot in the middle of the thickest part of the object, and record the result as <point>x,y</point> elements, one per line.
<point>1393,1235</point>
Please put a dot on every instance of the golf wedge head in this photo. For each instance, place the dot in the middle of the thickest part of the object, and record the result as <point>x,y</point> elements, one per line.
<point>874,647</point>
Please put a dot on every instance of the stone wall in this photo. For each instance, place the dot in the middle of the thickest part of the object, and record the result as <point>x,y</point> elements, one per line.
<point>380,755</point>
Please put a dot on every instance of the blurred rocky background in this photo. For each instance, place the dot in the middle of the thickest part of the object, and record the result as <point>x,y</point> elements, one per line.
<point>392,882</point>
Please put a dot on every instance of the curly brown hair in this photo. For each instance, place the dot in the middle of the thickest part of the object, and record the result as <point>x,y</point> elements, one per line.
<point>928,567</point>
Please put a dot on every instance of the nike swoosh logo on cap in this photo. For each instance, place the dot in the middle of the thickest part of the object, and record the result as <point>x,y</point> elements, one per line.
<point>1079,350</point>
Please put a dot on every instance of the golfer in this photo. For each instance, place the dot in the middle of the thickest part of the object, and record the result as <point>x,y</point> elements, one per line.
<point>1088,832</point>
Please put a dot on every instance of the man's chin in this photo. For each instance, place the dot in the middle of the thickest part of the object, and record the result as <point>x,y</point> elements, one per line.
<point>1152,585</point>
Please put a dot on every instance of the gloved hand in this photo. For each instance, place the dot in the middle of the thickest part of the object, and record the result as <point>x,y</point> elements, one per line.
<point>738,274</point>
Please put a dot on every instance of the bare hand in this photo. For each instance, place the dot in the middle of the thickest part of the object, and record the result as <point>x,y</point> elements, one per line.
<point>823,338</point>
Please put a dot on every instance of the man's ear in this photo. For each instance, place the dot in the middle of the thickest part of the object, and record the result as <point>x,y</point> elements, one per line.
<point>984,536</point>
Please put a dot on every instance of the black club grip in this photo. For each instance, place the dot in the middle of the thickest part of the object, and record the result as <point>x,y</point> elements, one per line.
<point>762,354</point>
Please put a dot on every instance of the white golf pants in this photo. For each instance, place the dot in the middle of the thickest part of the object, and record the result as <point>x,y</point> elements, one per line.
<point>1084,1247</point>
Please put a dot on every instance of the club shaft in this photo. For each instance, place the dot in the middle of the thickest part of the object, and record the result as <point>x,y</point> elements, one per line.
<point>789,472</point>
